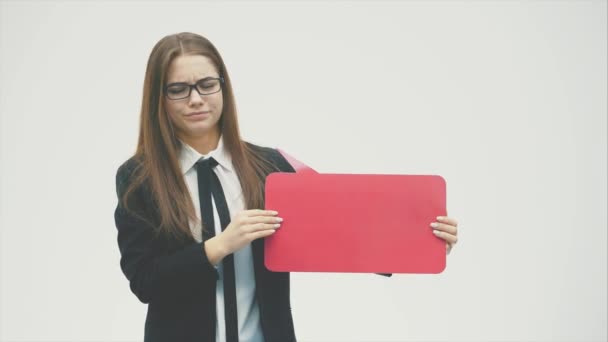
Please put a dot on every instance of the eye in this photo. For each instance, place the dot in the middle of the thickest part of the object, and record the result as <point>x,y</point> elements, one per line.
<point>176,89</point>
<point>207,84</point>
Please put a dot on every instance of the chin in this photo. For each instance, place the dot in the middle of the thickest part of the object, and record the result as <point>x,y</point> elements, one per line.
<point>201,128</point>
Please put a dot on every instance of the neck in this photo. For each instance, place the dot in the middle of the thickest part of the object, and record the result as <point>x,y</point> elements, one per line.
<point>205,143</point>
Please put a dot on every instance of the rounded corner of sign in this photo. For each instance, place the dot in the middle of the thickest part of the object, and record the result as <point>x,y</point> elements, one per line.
<point>441,268</point>
<point>441,179</point>
<point>272,267</point>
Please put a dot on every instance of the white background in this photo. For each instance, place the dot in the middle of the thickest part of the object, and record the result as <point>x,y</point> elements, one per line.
<point>505,100</point>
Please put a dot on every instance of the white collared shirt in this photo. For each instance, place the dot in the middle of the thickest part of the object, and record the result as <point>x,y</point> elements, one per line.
<point>247,306</point>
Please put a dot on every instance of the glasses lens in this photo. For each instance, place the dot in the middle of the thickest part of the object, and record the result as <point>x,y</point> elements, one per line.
<point>177,91</point>
<point>208,86</point>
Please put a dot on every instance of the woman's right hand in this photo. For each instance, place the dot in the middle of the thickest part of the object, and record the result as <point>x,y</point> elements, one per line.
<point>247,226</point>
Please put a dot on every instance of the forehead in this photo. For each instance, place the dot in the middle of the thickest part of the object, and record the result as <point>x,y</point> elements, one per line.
<point>190,69</point>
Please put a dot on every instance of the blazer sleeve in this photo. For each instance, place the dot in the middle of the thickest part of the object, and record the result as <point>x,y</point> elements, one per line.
<point>152,272</point>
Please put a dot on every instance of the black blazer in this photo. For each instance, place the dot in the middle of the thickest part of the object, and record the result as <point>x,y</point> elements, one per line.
<point>177,281</point>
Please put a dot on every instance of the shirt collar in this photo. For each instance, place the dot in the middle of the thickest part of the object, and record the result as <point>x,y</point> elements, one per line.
<point>188,156</point>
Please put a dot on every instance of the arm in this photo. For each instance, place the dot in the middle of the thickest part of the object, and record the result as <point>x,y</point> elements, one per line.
<point>152,273</point>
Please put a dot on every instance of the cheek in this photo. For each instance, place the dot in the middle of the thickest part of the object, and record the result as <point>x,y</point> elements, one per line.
<point>171,109</point>
<point>218,104</point>
<point>173,114</point>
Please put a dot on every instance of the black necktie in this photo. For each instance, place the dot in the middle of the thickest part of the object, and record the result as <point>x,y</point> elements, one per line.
<point>208,185</point>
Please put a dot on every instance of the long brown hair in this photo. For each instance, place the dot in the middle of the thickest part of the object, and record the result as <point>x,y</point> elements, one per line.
<point>158,147</point>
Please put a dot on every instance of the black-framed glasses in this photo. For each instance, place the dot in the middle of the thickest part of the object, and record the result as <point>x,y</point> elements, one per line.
<point>204,86</point>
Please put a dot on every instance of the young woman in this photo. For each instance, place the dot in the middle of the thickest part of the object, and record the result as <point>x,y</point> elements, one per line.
<point>190,227</point>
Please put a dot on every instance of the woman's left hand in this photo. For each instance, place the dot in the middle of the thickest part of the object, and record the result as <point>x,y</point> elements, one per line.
<point>446,228</point>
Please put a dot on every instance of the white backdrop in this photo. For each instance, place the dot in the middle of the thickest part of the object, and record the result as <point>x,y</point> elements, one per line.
<point>505,100</point>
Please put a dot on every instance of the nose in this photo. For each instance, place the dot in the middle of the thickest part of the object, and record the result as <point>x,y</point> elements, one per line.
<point>195,98</point>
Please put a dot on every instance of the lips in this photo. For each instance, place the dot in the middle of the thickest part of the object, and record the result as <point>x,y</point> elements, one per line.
<point>197,113</point>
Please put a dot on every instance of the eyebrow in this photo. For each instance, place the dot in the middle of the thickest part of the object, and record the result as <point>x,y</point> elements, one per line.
<point>200,79</point>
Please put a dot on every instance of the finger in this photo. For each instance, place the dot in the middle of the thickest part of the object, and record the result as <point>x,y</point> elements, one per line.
<point>448,220</point>
<point>260,212</point>
<point>452,239</point>
<point>261,234</point>
<point>262,226</point>
<point>444,227</point>
<point>262,219</point>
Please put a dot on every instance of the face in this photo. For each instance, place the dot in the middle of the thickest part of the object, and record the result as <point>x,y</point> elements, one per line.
<point>197,115</point>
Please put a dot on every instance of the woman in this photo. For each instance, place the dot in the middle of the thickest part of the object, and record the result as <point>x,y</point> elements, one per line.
<point>190,163</point>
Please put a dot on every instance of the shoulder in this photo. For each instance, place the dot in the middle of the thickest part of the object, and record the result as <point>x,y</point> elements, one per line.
<point>126,172</point>
<point>272,155</point>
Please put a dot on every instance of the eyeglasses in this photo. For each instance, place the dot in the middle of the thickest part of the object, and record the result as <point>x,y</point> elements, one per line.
<point>205,86</point>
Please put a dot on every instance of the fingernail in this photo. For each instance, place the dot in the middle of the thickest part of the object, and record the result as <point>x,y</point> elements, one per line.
<point>440,217</point>
<point>434,225</point>
<point>274,212</point>
<point>277,225</point>
<point>279,219</point>
<point>436,232</point>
